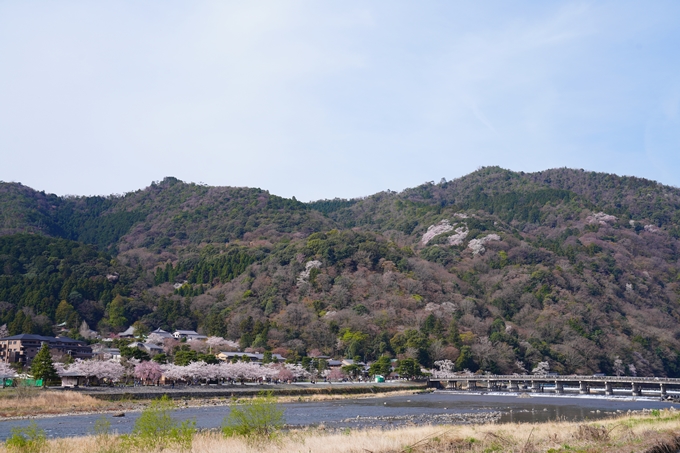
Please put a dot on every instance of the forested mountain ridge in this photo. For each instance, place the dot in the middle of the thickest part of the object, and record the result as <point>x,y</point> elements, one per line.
<point>497,270</point>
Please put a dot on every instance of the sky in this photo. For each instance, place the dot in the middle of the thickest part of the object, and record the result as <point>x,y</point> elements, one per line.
<point>333,99</point>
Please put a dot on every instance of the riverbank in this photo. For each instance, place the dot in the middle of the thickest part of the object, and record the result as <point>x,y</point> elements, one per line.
<point>16,404</point>
<point>647,432</point>
<point>302,389</point>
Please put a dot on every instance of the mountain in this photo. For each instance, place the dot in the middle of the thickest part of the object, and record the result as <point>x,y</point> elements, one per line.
<point>497,270</point>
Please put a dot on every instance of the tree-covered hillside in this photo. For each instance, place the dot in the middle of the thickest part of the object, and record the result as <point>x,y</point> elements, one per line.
<point>497,270</point>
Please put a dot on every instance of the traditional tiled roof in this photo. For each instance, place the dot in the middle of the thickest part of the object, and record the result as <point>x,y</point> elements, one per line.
<point>31,337</point>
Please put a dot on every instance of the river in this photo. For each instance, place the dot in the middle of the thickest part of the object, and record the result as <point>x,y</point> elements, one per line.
<point>438,408</point>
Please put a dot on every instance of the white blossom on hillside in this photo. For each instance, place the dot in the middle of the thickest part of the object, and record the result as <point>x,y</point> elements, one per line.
<point>618,366</point>
<point>459,237</point>
<point>445,369</point>
<point>477,245</point>
<point>304,275</point>
<point>434,230</point>
<point>651,228</point>
<point>601,218</point>
<point>541,369</point>
<point>520,367</point>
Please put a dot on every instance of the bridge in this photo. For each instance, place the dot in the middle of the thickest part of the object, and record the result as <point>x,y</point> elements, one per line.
<point>607,385</point>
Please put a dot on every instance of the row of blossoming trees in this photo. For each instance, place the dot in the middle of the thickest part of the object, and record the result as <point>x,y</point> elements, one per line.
<point>195,372</point>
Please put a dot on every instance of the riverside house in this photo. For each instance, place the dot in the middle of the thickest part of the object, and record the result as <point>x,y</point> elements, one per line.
<point>23,348</point>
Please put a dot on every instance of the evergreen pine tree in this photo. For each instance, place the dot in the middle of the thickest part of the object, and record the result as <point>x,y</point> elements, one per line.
<point>42,367</point>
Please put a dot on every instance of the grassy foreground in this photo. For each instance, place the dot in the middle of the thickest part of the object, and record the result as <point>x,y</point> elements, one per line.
<point>652,432</point>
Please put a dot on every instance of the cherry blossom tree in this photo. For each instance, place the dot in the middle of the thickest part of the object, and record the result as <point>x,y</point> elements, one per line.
<point>285,374</point>
<point>445,369</point>
<point>618,366</point>
<point>108,370</point>
<point>6,370</point>
<point>173,372</point>
<point>148,371</point>
<point>217,344</point>
<point>541,369</point>
<point>336,374</point>
<point>155,338</point>
<point>297,370</point>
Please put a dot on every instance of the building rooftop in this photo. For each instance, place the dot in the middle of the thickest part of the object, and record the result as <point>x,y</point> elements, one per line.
<point>32,337</point>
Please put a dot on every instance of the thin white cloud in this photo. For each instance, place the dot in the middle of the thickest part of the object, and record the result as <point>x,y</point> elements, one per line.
<point>322,100</point>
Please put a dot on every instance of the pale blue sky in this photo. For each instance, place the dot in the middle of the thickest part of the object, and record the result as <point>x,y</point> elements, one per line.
<point>325,99</point>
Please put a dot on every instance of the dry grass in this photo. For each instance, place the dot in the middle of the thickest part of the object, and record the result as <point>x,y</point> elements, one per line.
<point>32,401</point>
<point>310,398</point>
<point>651,433</point>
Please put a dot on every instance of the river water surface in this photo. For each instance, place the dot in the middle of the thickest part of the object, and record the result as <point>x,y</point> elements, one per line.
<point>437,408</point>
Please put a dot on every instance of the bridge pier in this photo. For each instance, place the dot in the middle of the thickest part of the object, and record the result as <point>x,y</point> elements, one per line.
<point>636,390</point>
<point>537,384</point>
<point>559,388</point>
<point>608,390</point>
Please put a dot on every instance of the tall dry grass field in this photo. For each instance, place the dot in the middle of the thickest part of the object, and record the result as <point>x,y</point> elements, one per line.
<point>657,432</point>
<point>33,401</point>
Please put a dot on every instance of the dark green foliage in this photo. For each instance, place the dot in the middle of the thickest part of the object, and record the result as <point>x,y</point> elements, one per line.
<point>134,353</point>
<point>519,206</point>
<point>38,272</point>
<point>42,366</point>
<point>408,368</point>
<point>223,267</point>
<point>328,206</point>
<point>382,366</point>
<point>465,360</point>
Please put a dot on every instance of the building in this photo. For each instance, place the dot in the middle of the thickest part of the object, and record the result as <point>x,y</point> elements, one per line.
<point>151,348</point>
<point>102,353</point>
<point>162,333</point>
<point>189,335</point>
<point>73,379</point>
<point>23,348</point>
<point>128,333</point>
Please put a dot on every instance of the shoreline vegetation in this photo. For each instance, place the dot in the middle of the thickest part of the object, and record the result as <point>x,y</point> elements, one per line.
<point>648,432</point>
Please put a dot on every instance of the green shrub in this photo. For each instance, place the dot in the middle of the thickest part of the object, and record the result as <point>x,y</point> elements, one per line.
<point>258,419</point>
<point>30,439</point>
<point>155,429</point>
<point>106,443</point>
